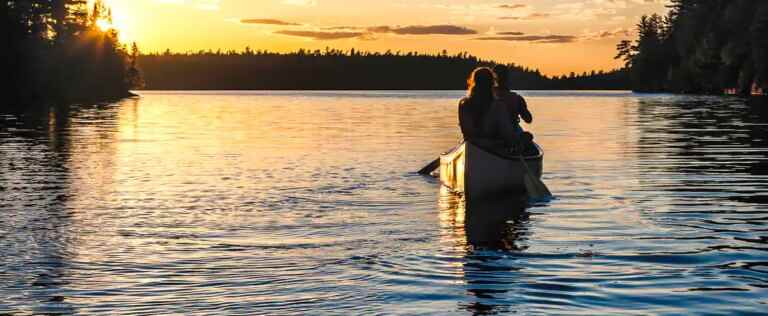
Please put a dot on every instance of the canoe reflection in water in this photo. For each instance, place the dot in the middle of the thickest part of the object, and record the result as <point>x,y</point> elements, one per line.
<point>486,231</point>
<point>488,223</point>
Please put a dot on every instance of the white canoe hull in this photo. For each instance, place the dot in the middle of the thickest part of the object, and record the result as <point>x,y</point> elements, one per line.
<point>475,172</point>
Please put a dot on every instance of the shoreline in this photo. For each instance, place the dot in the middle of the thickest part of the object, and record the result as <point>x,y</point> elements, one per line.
<point>54,102</point>
<point>373,89</point>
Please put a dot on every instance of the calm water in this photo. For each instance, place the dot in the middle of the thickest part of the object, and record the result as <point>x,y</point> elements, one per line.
<point>290,202</point>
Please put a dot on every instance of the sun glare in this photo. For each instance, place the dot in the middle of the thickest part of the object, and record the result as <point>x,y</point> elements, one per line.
<point>104,25</point>
<point>122,26</point>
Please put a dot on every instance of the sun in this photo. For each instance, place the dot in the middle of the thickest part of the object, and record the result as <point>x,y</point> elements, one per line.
<point>121,26</point>
<point>104,25</point>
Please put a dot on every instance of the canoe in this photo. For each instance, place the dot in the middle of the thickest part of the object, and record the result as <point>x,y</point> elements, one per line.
<point>473,171</point>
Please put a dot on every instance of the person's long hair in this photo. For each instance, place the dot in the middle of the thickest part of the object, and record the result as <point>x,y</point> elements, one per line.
<point>479,93</point>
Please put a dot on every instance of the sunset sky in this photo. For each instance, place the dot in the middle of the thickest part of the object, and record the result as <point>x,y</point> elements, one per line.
<point>556,36</point>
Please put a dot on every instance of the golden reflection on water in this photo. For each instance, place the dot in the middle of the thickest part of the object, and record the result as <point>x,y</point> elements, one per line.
<point>452,215</point>
<point>152,172</point>
<point>497,224</point>
<point>278,202</point>
<point>234,148</point>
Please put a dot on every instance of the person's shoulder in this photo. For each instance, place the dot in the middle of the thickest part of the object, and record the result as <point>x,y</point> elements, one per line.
<point>521,99</point>
<point>501,91</point>
<point>498,103</point>
<point>499,94</point>
<point>464,101</point>
<point>516,96</point>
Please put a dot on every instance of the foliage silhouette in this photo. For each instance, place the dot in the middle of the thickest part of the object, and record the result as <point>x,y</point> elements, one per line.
<point>334,69</point>
<point>701,46</point>
<point>55,52</point>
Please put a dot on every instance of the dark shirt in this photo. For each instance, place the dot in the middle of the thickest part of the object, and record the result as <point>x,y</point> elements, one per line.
<point>472,120</point>
<point>485,124</point>
<point>518,108</point>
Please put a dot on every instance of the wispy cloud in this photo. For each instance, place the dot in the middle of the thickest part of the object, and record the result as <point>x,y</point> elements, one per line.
<point>366,32</point>
<point>513,6</point>
<point>599,10</point>
<point>322,35</point>
<point>268,22</point>
<point>536,39</point>
<point>531,16</point>
<point>618,32</point>
<point>424,30</point>
<point>555,38</point>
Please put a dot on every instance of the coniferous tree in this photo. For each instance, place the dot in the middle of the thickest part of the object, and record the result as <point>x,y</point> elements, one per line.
<point>701,46</point>
<point>55,51</point>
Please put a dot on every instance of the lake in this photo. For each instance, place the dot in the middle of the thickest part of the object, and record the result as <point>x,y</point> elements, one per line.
<point>248,203</point>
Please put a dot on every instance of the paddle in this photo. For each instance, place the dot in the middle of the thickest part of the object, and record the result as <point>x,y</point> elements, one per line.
<point>432,166</point>
<point>535,188</point>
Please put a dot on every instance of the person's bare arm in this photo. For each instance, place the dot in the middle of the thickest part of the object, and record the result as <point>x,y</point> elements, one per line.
<point>525,114</point>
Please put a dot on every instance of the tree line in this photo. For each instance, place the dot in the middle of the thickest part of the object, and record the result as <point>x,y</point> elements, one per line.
<point>701,46</point>
<point>55,51</point>
<point>333,69</point>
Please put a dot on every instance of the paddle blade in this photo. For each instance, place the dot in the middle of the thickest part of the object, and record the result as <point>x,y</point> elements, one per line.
<point>431,167</point>
<point>536,188</point>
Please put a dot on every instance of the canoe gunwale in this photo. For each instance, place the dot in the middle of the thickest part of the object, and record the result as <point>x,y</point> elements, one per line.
<point>510,156</point>
<point>454,151</point>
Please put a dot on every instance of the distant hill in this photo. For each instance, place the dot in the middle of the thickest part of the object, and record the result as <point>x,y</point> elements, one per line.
<point>343,70</point>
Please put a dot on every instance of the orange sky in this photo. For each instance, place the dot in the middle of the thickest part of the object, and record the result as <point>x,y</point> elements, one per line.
<point>556,36</point>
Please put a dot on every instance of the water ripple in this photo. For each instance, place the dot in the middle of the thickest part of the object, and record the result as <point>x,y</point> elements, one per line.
<point>286,203</point>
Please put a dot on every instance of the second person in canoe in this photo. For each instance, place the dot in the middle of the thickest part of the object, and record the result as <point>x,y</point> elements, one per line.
<point>490,114</point>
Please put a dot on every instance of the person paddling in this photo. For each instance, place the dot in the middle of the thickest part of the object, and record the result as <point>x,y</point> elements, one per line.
<point>515,104</point>
<point>483,118</point>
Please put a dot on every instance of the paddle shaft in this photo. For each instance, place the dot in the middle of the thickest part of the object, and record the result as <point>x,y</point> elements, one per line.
<point>431,167</point>
<point>535,188</point>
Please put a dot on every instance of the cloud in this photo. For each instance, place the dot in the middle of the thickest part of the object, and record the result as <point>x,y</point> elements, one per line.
<point>597,10</point>
<point>268,22</point>
<point>492,32</point>
<point>482,10</point>
<point>336,28</point>
<point>620,4</point>
<point>369,33</point>
<point>536,39</point>
<point>424,30</point>
<point>554,38</point>
<point>322,35</point>
<point>606,34</point>
<point>512,6</point>
<point>531,16</point>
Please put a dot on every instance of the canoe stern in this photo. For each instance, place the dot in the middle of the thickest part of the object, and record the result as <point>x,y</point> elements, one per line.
<point>452,168</point>
<point>476,172</point>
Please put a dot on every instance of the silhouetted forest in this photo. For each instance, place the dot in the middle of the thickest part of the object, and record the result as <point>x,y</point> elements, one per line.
<point>54,51</point>
<point>701,46</point>
<point>334,69</point>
